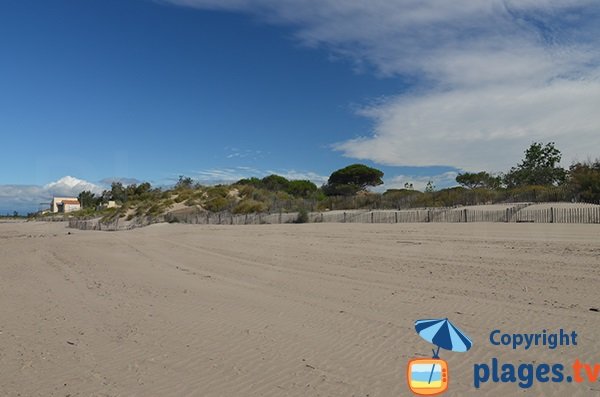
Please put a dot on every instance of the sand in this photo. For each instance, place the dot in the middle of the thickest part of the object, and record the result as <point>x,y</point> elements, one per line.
<point>285,310</point>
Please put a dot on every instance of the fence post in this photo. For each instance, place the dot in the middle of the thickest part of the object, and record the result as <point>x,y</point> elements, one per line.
<point>569,214</point>
<point>396,214</point>
<point>551,215</point>
<point>466,215</point>
<point>372,216</point>
<point>344,216</point>
<point>428,216</point>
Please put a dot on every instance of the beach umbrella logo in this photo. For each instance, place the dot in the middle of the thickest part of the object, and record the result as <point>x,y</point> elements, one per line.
<point>428,377</point>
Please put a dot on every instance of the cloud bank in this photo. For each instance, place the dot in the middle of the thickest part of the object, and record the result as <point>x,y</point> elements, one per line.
<point>29,198</point>
<point>439,181</point>
<point>488,76</point>
<point>231,175</point>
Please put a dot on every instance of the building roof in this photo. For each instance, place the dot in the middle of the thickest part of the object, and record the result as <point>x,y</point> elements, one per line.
<point>70,201</point>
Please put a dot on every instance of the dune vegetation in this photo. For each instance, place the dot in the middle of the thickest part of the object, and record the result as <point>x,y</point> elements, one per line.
<point>537,178</point>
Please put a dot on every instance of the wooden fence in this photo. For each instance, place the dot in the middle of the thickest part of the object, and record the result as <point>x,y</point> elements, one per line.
<point>590,214</point>
<point>560,215</point>
<point>547,215</point>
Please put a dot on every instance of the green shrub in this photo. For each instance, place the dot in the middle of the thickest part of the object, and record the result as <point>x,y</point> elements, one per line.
<point>217,191</point>
<point>302,216</point>
<point>248,206</point>
<point>301,188</point>
<point>216,204</point>
<point>183,195</point>
<point>246,190</point>
<point>155,209</point>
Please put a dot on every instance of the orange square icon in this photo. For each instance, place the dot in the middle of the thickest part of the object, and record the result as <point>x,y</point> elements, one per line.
<point>427,376</point>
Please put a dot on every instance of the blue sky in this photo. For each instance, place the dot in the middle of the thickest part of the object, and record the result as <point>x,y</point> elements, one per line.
<point>219,90</point>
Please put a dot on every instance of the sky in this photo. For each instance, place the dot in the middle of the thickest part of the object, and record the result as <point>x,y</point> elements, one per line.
<point>146,90</point>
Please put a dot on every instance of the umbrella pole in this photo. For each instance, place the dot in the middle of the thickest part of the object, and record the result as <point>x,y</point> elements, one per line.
<point>435,355</point>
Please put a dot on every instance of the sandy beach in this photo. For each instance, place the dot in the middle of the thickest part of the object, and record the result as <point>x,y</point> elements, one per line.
<point>286,310</point>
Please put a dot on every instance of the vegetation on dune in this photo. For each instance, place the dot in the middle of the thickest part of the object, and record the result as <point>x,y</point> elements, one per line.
<point>584,180</point>
<point>352,179</point>
<point>479,180</point>
<point>537,178</point>
<point>539,167</point>
<point>277,183</point>
<point>13,215</point>
<point>302,216</point>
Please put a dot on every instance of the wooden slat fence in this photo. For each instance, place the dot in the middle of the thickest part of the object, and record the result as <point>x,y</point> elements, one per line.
<point>586,214</point>
<point>457,215</point>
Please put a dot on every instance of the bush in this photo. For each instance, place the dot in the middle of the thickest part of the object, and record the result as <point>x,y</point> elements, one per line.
<point>275,183</point>
<point>248,206</point>
<point>301,188</point>
<point>155,210</point>
<point>183,196</point>
<point>302,216</point>
<point>216,204</point>
<point>584,181</point>
<point>538,193</point>
<point>399,198</point>
<point>217,191</point>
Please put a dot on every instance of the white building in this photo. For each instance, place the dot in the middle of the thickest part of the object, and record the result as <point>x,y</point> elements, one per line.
<point>109,204</point>
<point>65,204</point>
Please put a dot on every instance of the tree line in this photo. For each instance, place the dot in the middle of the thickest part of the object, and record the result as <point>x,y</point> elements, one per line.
<point>538,177</point>
<point>540,167</point>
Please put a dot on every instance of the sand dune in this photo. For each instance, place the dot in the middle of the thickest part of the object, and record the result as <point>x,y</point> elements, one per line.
<point>284,310</point>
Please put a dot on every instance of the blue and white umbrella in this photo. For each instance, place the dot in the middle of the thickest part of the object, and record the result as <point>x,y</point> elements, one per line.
<point>442,333</point>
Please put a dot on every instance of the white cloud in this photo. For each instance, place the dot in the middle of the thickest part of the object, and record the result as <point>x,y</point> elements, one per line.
<point>490,75</point>
<point>230,175</point>
<point>301,175</point>
<point>225,175</point>
<point>123,180</point>
<point>440,181</point>
<point>28,198</point>
<point>70,186</point>
<point>454,128</point>
<point>236,153</point>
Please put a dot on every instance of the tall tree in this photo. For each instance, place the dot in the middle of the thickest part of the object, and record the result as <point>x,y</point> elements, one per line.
<point>275,183</point>
<point>87,199</point>
<point>184,182</point>
<point>254,181</point>
<point>118,192</point>
<point>584,181</point>
<point>301,188</point>
<point>473,180</point>
<point>352,179</point>
<point>539,167</point>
